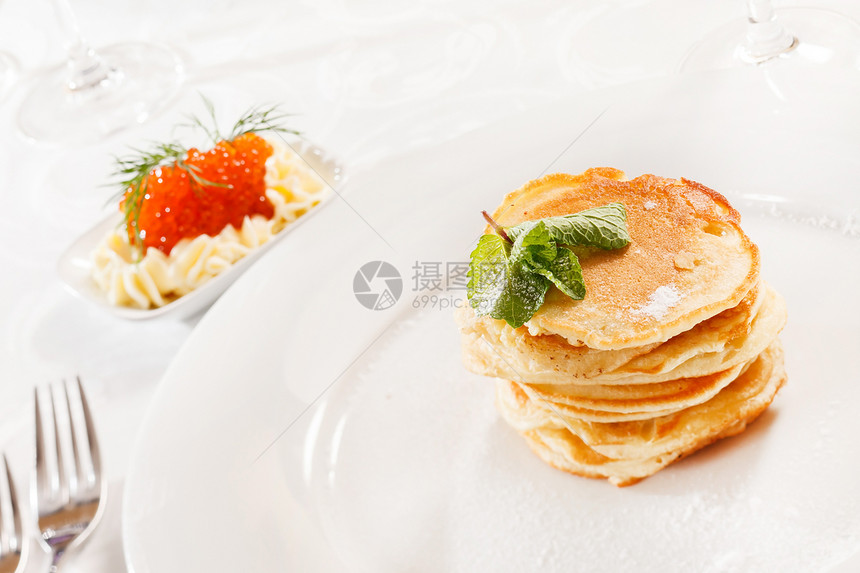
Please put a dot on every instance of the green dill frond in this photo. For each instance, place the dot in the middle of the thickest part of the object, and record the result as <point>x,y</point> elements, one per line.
<point>131,172</point>
<point>260,119</point>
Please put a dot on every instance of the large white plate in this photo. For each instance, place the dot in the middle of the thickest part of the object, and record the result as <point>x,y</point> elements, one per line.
<point>299,431</point>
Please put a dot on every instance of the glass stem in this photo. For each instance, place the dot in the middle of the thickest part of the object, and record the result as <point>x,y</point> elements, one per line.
<point>766,38</point>
<point>85,68</point>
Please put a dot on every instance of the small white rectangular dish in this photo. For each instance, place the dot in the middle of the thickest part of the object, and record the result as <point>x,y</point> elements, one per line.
<point>75,265</point>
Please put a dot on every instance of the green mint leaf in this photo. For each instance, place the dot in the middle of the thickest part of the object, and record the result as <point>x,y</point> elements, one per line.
<point>501,288</point>
<point>510,272</point>
<point>536,250</point>
<point>534,247</point>
<point>604,227</point>
<point>565,273</point>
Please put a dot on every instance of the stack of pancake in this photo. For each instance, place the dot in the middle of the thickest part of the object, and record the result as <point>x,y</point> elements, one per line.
<point>673,347</point>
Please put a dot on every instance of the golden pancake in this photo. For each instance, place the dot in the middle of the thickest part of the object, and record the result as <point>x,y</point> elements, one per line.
<point>635,398</point>
<point>626,452</point>
<point>673,347</point>
<point>492,348</point>
<point>688,259</point>
<point>765,327</point>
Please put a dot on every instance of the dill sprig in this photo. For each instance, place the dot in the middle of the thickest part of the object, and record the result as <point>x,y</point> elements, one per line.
<point>258,119</point>
<point>132,171</point>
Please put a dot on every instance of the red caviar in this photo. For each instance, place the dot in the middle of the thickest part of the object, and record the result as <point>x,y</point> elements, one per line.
<point>174,207</point>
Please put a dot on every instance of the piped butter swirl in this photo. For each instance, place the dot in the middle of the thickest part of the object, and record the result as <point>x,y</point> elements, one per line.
<point>156,279</point>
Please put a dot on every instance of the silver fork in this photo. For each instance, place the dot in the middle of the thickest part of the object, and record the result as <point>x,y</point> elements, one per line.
<point>11,541</point>
<point>70,497</point>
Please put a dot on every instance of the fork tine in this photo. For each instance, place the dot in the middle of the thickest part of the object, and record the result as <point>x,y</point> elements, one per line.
<point>67,513</point>
<point>79,474</point>
<point>43,481</point>
<point>95,454</point>
<point>16,539</point>
<point>5,543</point>
<point>63,481</point>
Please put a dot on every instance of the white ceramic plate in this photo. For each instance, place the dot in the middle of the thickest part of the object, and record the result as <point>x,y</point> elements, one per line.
<point>299,431</point>
<point>75,265</point>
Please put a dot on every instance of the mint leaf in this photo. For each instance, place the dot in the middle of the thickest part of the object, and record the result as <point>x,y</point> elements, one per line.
<point>510,272</point>
<point>604,227</point>
<point>565,273</point>
<point>501,288</point>
<point>536,250</point>
<point>534,247</point>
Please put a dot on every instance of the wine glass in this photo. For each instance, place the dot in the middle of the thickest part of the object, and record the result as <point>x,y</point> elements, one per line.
<point>802,36</point>
<point>98,93</point>
<point>8,71</point>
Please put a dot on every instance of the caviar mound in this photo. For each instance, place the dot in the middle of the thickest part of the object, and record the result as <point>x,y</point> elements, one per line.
<point>201,195</point>
<point>153,278</point>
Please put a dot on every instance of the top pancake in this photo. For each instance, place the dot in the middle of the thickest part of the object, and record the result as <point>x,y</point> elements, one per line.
<point>687,261</point>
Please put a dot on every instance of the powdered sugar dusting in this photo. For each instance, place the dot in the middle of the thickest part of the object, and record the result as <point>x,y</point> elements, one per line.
<point>660,302</point>
<point>648,205</point>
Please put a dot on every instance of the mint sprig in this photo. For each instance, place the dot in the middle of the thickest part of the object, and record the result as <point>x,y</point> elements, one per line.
<point>603,227</point>
<point>510,272</point>
<point>500,287</point>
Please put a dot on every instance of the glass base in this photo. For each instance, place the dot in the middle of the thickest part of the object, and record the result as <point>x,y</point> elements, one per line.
<point>823,38</point>
<point>143,79</point>
<point>8,73</point>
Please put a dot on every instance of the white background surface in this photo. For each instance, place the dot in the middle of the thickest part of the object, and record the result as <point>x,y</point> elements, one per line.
<point>371,80</point>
